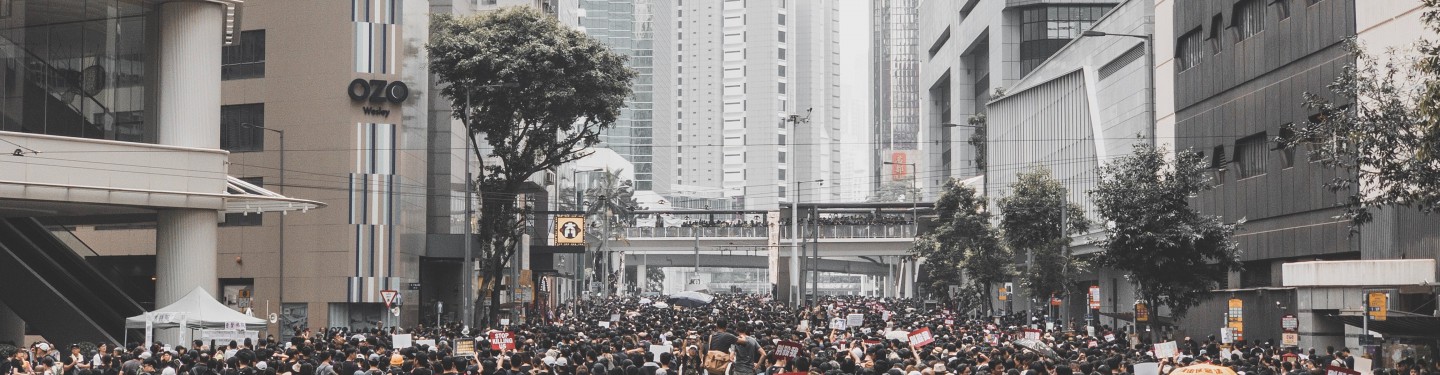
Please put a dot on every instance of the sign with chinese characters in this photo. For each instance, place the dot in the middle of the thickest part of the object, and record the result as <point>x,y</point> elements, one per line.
<point>1142,313</point>
<point>1377,304</point>
<point>1094,297</point>
<point>787,349</point>
<point>1235,318</point>
<point>921,337</point>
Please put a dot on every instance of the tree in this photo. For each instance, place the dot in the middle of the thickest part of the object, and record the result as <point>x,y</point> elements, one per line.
<point>1030,221</point>
<point>654,279</point>
<point>1381,129</point>
<point>963,241</point>
<point>611,208</point>
<point>977,139</point>
<point>1174,254</point>
<point>537,92</point>
<point>896,192</point>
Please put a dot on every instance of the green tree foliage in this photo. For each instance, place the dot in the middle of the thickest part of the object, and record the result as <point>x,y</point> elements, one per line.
<point>978,122</point>
<point>963,241</point>
<point>654,279</point>
<point>1380,128</point>
<point>1030,220</point>
<point>1173,253</point>
<point>896,192</point>
<point>538,93</point>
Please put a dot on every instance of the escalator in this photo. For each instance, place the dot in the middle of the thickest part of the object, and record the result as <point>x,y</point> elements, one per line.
<point>56,292</point>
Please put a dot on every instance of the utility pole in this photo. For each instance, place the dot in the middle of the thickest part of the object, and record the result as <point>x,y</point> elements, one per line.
<point>467,308</point>
<point>605,248</point>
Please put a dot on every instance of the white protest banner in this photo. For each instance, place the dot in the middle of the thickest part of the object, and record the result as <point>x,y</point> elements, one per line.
<point>921,337</point>
<point>226,335</point>
<point>401,341</point>
<point>1168,349</point>
<point>1147,368</point>
<point>504,322</point>
<point>838,324</point>
<point>787,349</point>
<point>1032,334</point>
<point>1363,365</point>
<point>604,324</point>
<point>1332,370</point>
<point>656,350</point>
<point>854,320</point>
<point>235,326</point>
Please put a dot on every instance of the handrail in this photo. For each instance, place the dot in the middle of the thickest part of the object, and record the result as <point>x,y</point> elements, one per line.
<point>825,231</point>
<point>66,234</point>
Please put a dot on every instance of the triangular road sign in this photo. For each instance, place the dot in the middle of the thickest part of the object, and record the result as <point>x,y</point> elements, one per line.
<point>388,296</point>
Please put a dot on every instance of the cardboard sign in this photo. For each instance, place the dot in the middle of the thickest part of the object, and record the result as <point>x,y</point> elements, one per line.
<point>949,322</point>
<point>992,339</point>
<point>1226,335</point>
<point>787,349</point>
<point>854,320</point>
<point>504,322</point>
<point>1168,349</point>
<point>1362,365</point>
<point>838,324</point>
<point>604,324</point>
<point>1290,339</point>
<point>1109,337</point>
<point>1332,370</point>
<point>885,316</point>
<point>656,350</point>
<point>464,347</point>
<point>1147,368</point>
<point>921,337</point>
<point>1032,334</point>
<point>502,340</point>
<point>614,317</point>
<point>401,341</point>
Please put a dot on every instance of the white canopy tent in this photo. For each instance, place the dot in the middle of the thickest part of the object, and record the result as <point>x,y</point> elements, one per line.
<point>199,311</point>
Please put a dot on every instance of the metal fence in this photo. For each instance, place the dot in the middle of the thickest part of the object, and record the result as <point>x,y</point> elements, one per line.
<point>826,231</point>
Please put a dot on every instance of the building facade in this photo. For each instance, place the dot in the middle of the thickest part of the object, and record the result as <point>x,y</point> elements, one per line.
<point>731,74</point>
<point>971,49</point>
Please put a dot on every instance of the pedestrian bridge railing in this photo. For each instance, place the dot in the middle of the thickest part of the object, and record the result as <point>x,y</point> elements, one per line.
<point>825,231</point>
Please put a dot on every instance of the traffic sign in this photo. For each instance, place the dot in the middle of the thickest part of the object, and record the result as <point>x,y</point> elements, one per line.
<point>389,296</point>
<point>1094,297</point>
<point>1378,305</point>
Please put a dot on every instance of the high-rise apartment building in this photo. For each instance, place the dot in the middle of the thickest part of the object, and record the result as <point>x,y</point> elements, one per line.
<point>895,96</point>
<point>748,85</point>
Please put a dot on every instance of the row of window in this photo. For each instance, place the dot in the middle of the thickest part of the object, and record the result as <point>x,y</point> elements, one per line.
<point>1247,20</point>
<point>1252,154</point>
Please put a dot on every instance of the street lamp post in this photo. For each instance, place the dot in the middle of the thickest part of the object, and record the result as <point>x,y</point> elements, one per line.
<point>1149,68</point>
<point>914,211</point>
<point>579,206</point>
<point>282,192</point>
<point>796,284</point>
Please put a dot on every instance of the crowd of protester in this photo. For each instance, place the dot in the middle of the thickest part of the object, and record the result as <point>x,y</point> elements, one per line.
<point>641,337</point>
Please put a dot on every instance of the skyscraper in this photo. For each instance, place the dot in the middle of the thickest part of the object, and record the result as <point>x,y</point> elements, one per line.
<point>626,26</point>
<point>896,97</point>
<point>748,87</point>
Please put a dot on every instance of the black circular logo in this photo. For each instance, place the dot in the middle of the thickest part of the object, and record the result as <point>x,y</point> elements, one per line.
<point>569,230</point>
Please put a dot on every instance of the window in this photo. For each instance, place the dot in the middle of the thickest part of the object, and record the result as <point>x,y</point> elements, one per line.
<point>782,156</point>
<point>782,53</point>
<point>1251,155</point>
<point>782,19</point>
<point>1217,157</point>
<point>1248,19</point>
<point>782,36</point>
<point>1282,7</point>
<point>782,174</point>
<point>782,87</point>
<point>782,191</point>
<point>1188,50</point>
<point>1045,29</point>
<point>245,59</point>
<point>1286,153</point>
<point>782,140</point>
<point>245,219</point>
<point>782,70</point>
<point>1215,25</point>
<point>940,42</point>
<point>242,127</point>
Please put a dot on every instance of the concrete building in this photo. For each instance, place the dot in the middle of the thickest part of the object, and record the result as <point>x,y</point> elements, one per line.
<point>750,84</point>
<point>134,138</point>
<point>970,49</point>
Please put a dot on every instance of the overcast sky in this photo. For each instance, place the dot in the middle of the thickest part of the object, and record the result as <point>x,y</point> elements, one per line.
<point>855,97</point>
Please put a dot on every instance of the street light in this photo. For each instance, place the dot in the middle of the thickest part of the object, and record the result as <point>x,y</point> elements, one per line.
<point>282,192</point>
<point>914,202</point>
<point>1149,67</point>
<point>579,263</point>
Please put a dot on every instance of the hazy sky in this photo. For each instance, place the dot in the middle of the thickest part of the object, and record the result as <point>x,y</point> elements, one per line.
<point>855,97</point>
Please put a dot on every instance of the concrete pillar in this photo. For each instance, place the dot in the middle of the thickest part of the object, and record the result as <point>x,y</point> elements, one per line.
<point>12,328</point>
<point>641,281</point>
<point>189,76</point>
<point>189,116</point>
<point>184,253</point>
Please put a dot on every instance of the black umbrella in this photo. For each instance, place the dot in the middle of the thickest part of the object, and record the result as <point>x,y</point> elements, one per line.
<point>690,299</point>
<point>1037,346</point>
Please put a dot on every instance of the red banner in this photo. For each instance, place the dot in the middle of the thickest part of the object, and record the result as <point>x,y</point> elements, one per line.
<point>502,340</point>
<point>921,337</point>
